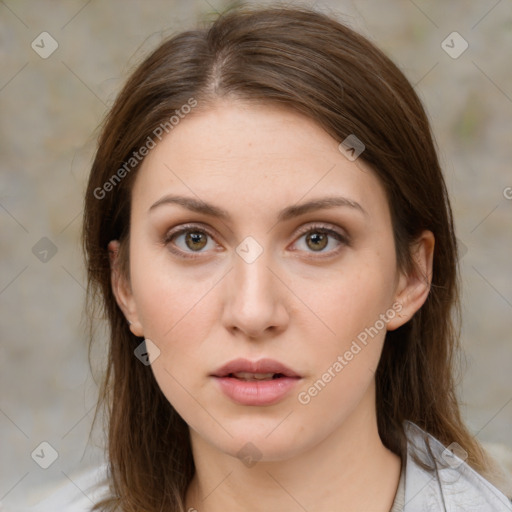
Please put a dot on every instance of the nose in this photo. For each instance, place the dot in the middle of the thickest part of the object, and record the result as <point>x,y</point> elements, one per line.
<point>255,298</point>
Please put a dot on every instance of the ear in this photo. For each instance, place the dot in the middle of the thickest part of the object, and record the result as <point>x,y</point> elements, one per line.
<point>413,288</point>
<point>122,290</point>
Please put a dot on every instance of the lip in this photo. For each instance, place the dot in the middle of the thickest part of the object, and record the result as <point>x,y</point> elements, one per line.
<point>260,366</point>
<point>265,392</point>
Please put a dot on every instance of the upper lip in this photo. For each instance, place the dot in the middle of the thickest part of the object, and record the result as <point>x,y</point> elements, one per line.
<point>260,366</point>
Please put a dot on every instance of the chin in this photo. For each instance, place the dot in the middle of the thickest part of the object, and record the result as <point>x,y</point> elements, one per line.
<point>266,441</point>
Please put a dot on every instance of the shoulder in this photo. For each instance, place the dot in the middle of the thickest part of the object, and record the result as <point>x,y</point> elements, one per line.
<point>437,478</point>
<point>77,492</point>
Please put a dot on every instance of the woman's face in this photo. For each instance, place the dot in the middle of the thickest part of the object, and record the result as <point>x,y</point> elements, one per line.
<point>312,289</point>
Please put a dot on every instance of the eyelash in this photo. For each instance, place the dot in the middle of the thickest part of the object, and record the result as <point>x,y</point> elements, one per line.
<point>315,228</point>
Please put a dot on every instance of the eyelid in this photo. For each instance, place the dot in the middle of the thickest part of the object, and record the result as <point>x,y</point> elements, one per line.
<point>323,226</point>
<point>186,227</point>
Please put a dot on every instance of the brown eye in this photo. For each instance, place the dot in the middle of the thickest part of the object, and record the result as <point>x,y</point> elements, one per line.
<point>317,241</point>
<point>196,240</point>
<point>188,240</point>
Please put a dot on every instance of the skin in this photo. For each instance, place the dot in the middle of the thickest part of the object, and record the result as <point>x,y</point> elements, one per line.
<point>299,306</point>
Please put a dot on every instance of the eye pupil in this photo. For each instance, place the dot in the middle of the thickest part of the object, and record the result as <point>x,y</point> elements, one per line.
<point>319,240</point>
<point>195,237</point>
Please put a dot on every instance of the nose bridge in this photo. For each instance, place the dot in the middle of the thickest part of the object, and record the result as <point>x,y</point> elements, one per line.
<point>252,277</point>
<point>254,300</point>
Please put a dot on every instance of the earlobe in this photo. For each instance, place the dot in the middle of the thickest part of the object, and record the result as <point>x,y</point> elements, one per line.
<point>122,290</point>
<point>413,288</point>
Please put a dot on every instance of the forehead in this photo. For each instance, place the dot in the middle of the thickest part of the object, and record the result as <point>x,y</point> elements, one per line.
<point>252,156</point>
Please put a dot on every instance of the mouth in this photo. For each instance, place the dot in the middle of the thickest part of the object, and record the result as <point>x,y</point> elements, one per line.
<point>256,383</point>
<point>263,369</point>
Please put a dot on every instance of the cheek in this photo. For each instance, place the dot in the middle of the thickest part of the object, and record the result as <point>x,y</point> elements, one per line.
<point>169,298</point>
<point>343,364</point>
<point>177,314</point>
<point>355,307</point>
<point>351,301</point>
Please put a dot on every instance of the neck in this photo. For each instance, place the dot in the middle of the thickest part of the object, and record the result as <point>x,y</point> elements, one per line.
<point>350,470</point>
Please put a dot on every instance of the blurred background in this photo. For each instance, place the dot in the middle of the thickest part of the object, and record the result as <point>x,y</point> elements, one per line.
<point>62,64</point>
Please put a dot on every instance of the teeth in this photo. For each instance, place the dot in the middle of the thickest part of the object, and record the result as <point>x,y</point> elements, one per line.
<point>253,376</point>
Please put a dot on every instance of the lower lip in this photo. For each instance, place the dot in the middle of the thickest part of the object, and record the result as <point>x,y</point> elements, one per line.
<point>253,392</point>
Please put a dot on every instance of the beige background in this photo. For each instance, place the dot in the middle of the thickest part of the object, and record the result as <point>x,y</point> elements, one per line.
<point>50,109</point>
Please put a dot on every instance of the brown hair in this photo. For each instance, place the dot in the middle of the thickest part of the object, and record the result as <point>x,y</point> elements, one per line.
<point>309,62</point>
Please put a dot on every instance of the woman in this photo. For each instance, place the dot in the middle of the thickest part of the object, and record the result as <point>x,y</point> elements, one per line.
<point>268,231</point>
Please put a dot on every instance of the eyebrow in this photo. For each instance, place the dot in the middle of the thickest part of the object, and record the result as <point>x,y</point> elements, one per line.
<point>287,213</point>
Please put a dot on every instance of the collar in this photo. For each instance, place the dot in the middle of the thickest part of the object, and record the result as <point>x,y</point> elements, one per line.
<point>437,478</point>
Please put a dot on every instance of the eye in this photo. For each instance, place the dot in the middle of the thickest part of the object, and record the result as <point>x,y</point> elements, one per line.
<point>317,237</point>
<point>188,239</point>
<point>191,239</point>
